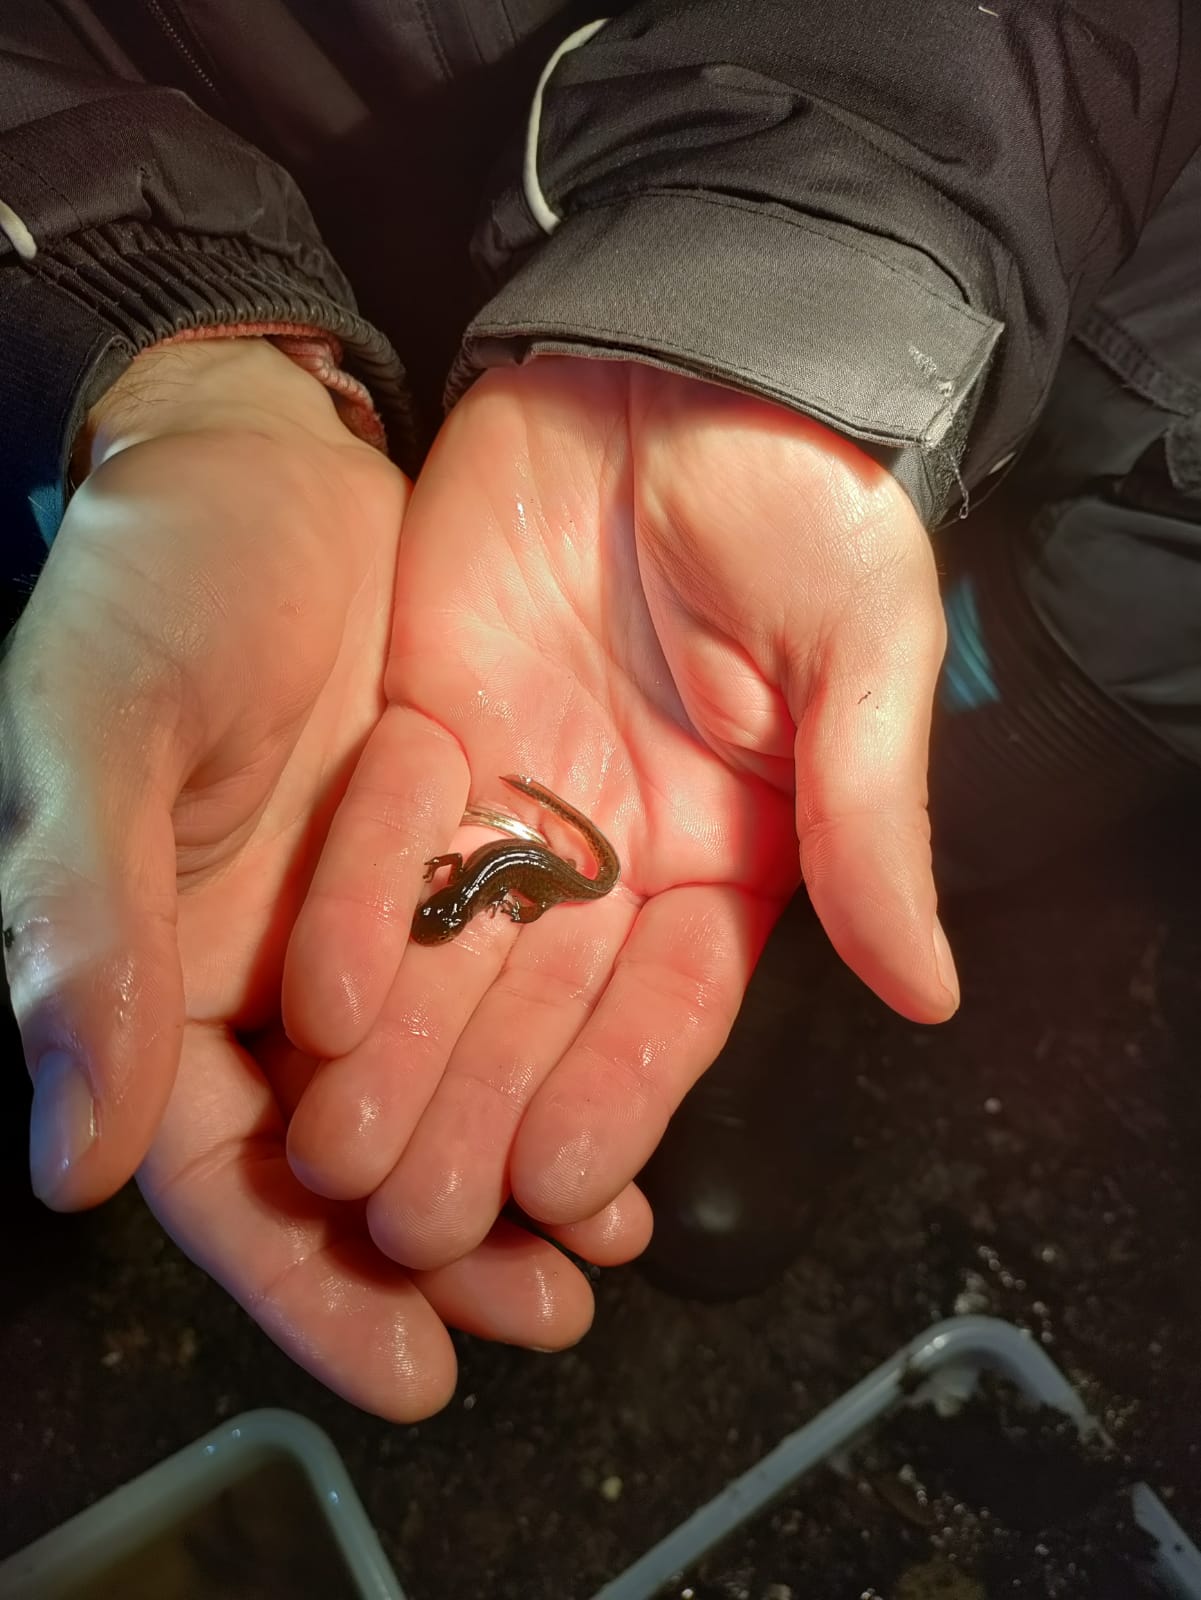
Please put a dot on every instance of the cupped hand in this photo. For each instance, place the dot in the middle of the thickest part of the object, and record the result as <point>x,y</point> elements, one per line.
<point>714,628</point>
<point>181,704</point>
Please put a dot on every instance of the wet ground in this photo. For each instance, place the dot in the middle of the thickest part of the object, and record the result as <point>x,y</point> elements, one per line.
<point>1036,1159</point>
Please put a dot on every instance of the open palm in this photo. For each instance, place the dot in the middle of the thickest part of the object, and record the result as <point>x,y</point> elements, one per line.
<point>183,702</point>
<point>248,830</point>
<point>535,617</point>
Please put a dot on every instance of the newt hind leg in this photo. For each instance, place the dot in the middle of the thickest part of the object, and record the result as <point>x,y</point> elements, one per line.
<point>521,910</point>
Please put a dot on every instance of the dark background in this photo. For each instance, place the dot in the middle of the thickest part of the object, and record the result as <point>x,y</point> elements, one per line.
<point>1035,1159</point>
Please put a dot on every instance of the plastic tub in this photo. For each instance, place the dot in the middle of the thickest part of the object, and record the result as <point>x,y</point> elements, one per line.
<point>154,1512</point>
<point>943,1363</point>
<point>260,1506</point>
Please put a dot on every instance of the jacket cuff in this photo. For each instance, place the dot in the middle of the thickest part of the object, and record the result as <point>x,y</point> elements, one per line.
<point>75,316</point>
<point>863,334</point>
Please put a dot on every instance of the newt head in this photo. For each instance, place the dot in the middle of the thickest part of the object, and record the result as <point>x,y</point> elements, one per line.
<point>438,919</point>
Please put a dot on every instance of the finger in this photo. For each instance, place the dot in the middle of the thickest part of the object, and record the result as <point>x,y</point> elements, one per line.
<point>359,1112</point>
<point>663,1018</point>
<point>451,1180</point>
<point>404,801</point>
<point>288,1071</point>
<point>87,882</point>
<point>861,757</point>
<point>218,1180</point>
<point>616,1234</point>
<point>519,1306</point>
<point>514,1288</point>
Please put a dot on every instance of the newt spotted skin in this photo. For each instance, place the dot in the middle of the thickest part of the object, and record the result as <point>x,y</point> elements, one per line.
<point>515,876</point>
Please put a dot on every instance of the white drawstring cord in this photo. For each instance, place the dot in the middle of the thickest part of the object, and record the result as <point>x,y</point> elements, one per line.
<point>546,218</point>
<point>17,234</point>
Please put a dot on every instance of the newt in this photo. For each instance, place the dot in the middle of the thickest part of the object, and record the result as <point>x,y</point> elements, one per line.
<point>518,877</point>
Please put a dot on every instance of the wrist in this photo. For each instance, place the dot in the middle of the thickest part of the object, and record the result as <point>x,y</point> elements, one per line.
<point>241,383</point>
<point>831,469</point>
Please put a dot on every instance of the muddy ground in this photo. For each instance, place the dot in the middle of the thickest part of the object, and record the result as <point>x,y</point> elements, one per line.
<point>1035,1159</point>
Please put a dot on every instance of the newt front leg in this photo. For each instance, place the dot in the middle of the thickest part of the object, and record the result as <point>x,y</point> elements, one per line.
<point>454,861</point>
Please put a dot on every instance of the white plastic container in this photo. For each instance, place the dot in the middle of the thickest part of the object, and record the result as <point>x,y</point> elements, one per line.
<point>149,1538</point>
<point>85,1558</point>
<point>944,1361</point>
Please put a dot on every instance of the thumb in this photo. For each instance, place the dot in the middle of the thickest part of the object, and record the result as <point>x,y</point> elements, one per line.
<point>862,750</point>
<point>88,897</point>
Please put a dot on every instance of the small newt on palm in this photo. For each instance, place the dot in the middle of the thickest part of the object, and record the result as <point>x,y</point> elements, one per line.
<point>518,877</point>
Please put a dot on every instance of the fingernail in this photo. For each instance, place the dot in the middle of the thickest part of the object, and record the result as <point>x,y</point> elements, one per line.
<point>62,1125</point>
<point>945,962</point>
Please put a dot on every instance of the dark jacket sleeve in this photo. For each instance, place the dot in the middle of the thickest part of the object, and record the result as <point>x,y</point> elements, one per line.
<point>129,215</point>
<point>888,217</point>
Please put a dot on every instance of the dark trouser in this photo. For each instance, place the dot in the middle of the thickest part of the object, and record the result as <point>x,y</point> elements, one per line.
<point>1071,693</point>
